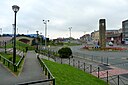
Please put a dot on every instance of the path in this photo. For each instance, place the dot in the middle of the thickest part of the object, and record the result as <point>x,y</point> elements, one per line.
<point>31,72</point>
<point>32,69</point>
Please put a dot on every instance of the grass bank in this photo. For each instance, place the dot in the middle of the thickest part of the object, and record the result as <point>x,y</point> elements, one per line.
<point>10,66</point>
<point>67,75</point>
<point>20,45</point>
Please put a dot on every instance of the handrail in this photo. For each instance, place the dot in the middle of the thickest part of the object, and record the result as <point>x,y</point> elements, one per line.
<point>6,59</point>
<point>15,66</point>
<point>35,82</point>
<point>46,70</point>
<point>20,61</point>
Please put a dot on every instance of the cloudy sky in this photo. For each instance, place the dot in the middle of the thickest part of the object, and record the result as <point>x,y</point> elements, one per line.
<point>81,15</point>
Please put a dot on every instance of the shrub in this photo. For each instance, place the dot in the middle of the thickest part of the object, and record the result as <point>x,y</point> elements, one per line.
<point>65,52</point>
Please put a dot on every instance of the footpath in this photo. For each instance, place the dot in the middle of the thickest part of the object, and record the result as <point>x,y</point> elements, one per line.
<point>31,72</point>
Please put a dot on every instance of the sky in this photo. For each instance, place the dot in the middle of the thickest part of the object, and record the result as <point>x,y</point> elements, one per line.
<point>82,15</point>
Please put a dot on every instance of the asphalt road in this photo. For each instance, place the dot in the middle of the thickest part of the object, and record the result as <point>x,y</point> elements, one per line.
<point>31,72</point>
<point>118,59</point>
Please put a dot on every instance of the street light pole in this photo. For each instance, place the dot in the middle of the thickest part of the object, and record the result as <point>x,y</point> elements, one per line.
<point>37,40</point>
<point>70,28</point>
<point>45,22</point>
<point>15,8</point>
<point>1,31</point>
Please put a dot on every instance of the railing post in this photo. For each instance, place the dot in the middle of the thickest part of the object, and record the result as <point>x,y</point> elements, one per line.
<point>78,64</point>
<point>8,64</point>
<point>98,72</point>
<point>73,62</point>
<point>118,80</point>
<point>90,68</point>
<point>61,60</point>
<point>48,75</point>
<point>84,67</point>
<point>107,76</point>
<point>4,61</point>
<point>69,61</point>
<point>53,81</point>
<point>45,71</point>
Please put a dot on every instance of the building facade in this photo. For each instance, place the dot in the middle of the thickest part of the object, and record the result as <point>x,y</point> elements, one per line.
<point>125,31</point>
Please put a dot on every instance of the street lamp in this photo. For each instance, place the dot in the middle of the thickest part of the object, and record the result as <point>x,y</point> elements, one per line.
<point>70,28</point>
<point>40,41</point>
<point>37,40</point>
<point>45,22</point>
<point>1,31</point>
<point>15,8</point>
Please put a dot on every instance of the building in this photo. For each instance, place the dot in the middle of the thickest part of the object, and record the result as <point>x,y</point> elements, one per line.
<point>95,36</point>
<point>86,38</point>
<point>115,34</point>
<point>125,31</point>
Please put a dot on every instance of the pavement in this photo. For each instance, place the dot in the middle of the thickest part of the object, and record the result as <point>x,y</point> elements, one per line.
<point>31,72</point>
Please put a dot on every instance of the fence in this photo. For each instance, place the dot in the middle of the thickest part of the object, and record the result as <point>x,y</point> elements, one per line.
<point>46,71</point>
<point>95,70</point>
<point>10,64</point>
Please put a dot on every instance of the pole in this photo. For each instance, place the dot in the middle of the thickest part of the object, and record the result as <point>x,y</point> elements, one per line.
<point>45,34</point>
<point>5,48</point>
<point>70,33</point>
<point>37,41</point>
<point>14,44</point>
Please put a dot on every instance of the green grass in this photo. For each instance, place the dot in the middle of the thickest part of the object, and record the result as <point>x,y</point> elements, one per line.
<point>68,75</point>
<point>10,57</point>
<point>71,44</point>
<point>20,46</point>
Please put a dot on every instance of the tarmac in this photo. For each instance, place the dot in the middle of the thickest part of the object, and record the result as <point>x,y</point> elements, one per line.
<point>31,71</point>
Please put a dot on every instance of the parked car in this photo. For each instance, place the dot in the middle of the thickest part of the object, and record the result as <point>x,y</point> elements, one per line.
<point>110,44</point>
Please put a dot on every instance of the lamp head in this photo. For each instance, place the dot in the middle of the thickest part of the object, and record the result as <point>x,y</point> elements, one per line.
<point>15,8</point>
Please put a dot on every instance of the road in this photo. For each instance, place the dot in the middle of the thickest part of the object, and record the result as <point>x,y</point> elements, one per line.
<point>118,59</point>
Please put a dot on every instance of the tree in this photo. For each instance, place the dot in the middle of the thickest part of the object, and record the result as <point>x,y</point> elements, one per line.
<point>65,52</point>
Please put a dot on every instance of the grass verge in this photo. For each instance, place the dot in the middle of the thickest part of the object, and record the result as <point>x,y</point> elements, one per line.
<point>10,57</point>
<point>68,75</point>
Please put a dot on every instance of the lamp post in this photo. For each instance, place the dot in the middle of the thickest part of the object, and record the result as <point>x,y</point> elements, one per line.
<point>70,28</point>
<point>1,31</point>
<point>15,8</point>
<point>45,22</point>
<point>40,41</point>
<point>37,40</point>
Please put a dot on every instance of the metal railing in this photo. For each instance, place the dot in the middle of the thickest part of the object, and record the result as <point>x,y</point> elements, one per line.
<point>46,71</point>
<point>10,64</point>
